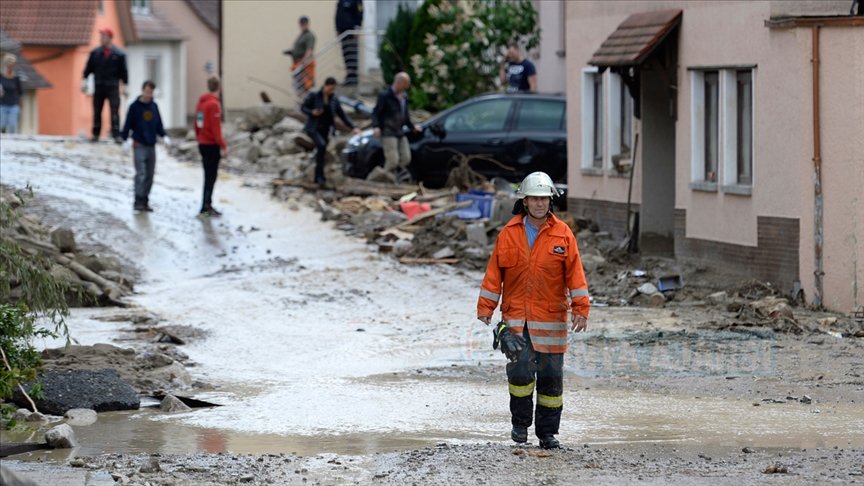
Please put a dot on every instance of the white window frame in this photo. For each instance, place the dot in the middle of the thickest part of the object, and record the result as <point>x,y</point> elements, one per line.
<point>142,7</point>
<point>587,121</point>
<point>727,166</point>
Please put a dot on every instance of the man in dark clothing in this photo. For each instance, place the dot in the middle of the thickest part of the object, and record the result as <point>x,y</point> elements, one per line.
<point>108,65</point>
<point>145,123</point>
<point>211,144</point>
<point>349,16</point>
<point>321,109</point>
<point>518,74</point>
<point>388,117</point>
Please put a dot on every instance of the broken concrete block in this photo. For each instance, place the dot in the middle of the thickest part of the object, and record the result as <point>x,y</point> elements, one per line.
<point>476,233</point>
<point>717,298</point>
<point>61,437</point>
<point>64,239</point>
<point>648,289</point>
<point>445,252</point>
<point>81,416</point>
<point>173,404</point>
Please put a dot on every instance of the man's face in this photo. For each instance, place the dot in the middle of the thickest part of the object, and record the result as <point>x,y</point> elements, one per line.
<point>304,25</point>
<point>537,206</point>
<point>512,54</point>
<point>329,89</point>
<point>147,94</point>
<point>105,39</point>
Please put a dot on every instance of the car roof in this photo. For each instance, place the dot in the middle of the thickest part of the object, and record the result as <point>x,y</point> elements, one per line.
<point>498,94</point>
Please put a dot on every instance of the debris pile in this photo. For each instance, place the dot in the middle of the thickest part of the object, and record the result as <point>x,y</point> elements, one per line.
<point>89,278</point>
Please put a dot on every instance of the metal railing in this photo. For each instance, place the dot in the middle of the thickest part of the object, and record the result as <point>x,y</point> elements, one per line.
<point>343,58</point>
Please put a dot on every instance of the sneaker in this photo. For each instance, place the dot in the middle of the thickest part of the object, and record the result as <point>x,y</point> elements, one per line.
<point>148,208</point>
<point>118,140</point>
<point>549,442</point>
<point>141,207</point>
<point>211,212</point>
<point>94,139</point>
<point>519,434</point>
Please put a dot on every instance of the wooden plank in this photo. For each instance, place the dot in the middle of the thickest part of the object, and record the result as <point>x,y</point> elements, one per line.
<point>410,260</point>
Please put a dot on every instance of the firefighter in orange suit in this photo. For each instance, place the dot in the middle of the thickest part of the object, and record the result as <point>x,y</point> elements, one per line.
<point>536,268</point>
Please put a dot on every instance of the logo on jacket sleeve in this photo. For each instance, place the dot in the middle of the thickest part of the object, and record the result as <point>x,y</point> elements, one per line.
<point>558,250</point>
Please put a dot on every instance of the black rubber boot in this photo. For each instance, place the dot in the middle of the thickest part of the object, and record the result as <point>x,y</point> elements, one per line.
<point>549,442</point>
<point>519,434</point>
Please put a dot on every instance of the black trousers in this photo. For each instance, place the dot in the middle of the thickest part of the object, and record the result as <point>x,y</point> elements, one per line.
<point>210,156</point>
<point>321,138</point>
<point>112,94</point>
<point>351,56</point>
<point>543,371</point>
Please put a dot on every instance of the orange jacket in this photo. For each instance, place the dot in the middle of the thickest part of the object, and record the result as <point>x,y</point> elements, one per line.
<point>536,283</point>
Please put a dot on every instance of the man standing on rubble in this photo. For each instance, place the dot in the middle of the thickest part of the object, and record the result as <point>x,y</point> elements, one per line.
<point>303,54</point>
<point>388,117</point>
<point>321,109</point>
<point>536,265</point>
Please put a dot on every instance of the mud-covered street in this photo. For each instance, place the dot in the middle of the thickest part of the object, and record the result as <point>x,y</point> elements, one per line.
<point>334,363</point>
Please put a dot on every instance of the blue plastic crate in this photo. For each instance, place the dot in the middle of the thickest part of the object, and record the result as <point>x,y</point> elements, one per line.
<point>480,201</point>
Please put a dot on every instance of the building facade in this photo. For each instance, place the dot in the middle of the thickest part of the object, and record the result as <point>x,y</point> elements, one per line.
<point>747,117</point>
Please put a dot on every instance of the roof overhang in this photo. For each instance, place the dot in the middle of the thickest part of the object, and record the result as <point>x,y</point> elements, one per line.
<point>634,40</point>
<point>831,21</point>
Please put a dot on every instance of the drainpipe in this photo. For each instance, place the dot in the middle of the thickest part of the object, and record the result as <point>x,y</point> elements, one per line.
<point>818,233</point>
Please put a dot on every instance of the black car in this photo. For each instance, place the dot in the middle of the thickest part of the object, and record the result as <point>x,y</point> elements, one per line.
<point>524,133</point>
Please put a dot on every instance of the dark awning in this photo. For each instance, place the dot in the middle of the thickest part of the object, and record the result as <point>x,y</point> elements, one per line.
<point>636,38</point>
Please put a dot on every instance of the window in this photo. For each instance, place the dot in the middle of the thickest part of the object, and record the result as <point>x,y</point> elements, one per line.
<point>484,116</point>
<point>592,120</point>
<point>744,114</point>
<point>625,120</point>
<point>620,123</point>
<point>722,129</point>
<point>101,7</point>
<point>540,115</point>
<point>712,125</point>
<point>141,7</point>
<point>597,121</point>
<point>152,69</point>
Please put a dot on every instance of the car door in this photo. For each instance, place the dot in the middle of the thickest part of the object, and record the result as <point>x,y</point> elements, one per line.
<point>475,129</point>
<point>538,139</point>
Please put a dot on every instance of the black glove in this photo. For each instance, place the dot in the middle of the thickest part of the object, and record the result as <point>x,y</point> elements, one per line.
<point>511,344</point>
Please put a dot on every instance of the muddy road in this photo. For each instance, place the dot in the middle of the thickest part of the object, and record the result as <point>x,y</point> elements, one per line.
<point>336,364</point>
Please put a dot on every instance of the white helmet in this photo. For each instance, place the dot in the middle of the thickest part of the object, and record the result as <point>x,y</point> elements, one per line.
<point>537,184</point>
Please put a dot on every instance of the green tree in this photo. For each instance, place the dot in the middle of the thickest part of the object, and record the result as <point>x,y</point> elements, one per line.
<point>394,50</point>
<point>36,308</point>
<point>457,47</point>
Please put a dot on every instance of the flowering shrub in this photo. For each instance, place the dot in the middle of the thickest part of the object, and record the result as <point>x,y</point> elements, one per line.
<point>457,47</point>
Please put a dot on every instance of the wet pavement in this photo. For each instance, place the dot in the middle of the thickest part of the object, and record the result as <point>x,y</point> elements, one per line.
<point>316,344</point>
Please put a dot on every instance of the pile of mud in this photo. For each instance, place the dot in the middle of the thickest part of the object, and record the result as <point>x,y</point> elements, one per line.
<point>88,278</point>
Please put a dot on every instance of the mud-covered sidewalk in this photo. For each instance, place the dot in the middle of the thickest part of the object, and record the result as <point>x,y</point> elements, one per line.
<point>335,364</point>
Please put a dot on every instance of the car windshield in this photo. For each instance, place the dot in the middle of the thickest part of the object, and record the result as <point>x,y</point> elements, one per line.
<point>483,116</point>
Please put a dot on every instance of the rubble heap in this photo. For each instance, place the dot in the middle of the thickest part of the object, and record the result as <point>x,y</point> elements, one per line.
<point>89,278</point>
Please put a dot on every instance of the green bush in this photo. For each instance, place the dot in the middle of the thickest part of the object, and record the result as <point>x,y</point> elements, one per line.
<point>39,302</point>
<point>394,46</point>
<point>457,47</point>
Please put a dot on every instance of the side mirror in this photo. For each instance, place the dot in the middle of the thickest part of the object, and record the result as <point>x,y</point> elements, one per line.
<point>438,130</point>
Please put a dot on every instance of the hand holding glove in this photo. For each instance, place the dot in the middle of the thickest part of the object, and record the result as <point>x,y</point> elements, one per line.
<point>84,85</point>
<point>511,344</point>
<point>127,146</point>
<point>166,140</point>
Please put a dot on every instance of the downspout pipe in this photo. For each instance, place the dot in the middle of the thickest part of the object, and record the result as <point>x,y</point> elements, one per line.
<point>818,231</point>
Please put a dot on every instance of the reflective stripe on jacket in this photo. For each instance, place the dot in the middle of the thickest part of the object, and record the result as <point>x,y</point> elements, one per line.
<point>537,283</point>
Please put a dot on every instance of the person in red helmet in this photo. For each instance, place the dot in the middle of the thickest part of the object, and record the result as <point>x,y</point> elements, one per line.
<point>536,272</point>
<point>107,64</point>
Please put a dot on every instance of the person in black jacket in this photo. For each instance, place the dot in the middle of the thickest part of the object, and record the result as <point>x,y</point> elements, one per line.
<point>321,109</point>
<point>388,117</point>
<point>349,16</point>
<point>107,63</point>
<point>144,122</point>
